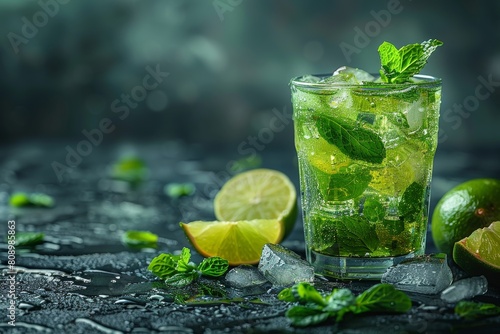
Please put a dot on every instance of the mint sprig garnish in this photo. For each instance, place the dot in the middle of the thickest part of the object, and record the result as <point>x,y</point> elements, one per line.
<point>398,66</point>
<point>315,308</point>
<point>352,140</point>
<point>178,271</point>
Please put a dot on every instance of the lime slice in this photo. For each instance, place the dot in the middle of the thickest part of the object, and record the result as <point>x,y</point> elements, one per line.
<point>478,253</point>
<point>239,242</point>
<point>258,194</point>
<point>399,171</point>
<point>326,157</point>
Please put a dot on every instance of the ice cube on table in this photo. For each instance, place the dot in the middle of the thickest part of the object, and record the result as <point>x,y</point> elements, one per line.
<point>464,289</point>
<point>428,274</point>
<point>283,267</point>
<point>245,276</point>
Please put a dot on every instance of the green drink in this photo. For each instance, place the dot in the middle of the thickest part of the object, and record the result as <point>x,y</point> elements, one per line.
<point>365,150</point>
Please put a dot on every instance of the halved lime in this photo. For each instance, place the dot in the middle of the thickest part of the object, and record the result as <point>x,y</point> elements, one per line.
<point>239,242</point>
<point>470,205</point>
<point>258,194</point>
<point>479,253</point>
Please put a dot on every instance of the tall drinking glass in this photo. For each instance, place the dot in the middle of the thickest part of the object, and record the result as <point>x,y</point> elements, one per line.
<point>365,154</point>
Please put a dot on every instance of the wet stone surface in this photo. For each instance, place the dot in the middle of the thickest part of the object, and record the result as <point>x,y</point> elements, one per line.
<point>82,279</point>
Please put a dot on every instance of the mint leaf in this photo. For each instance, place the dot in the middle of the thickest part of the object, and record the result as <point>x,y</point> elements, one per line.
<point>176,190</point>
<point>382,298</point>
<point>412,61</point>
<point>303,316</point>
<point>183,265</point>
<point>373,210</point>
<point>140,239</point>
<point>176,270</point>
<point>286,295</point>
<point>164,265</point>
<point>26,239</point>
<point>40,200</point>
<point>472,310</point>
<point>130,169</point>
<point>379,298</point>
<point>410,206</point>
<point>306,293</point>
<point>339,302</point>
<point>397,66</point>
<point>348,183</point>
<point>390,60</point>
<point>351,139</point>
<point>394,227</point>
<point>356,236</point>
<point>182,279</point>
<point>213,266</point>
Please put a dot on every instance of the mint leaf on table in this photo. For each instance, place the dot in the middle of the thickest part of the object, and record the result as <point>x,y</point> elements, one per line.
<point>21,199</point>
<point>183,265</point>
<point>28,239</point>
<point>354,141</point>
<point>340,302</point>
<point>130,169</point>
<point>306,293</point>
<point>398,66</point>
<point>176,190</point>
<point>178,271</point>
<point>317,308</point>
<point>213,266</point>
<point>182,279</point>
<point>164,265</point>
<point>140,239</point>
<point>382,298</point>
<point>304,316</point>
<point>473,310</point>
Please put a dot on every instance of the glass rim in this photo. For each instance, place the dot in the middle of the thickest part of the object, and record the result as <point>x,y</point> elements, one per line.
<point>424,80</point>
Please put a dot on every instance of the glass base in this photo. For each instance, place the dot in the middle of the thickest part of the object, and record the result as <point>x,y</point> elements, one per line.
<point>354,268</point>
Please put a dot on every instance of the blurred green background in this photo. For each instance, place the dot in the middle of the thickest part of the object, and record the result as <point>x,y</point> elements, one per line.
<point>64,64</point>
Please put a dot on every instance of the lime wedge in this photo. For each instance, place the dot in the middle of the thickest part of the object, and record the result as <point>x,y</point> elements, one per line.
<point>258,194</point>
<point>478,254</point>
<point>239,242</point>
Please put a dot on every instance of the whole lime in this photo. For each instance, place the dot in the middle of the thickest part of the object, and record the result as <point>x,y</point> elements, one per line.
<point>471,205</point>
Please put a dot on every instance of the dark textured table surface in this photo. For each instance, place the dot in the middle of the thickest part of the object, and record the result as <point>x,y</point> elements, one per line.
<point>83,280</point>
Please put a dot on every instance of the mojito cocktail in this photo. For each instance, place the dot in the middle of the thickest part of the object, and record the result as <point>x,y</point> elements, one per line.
<point>365,151</point>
